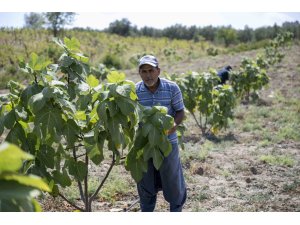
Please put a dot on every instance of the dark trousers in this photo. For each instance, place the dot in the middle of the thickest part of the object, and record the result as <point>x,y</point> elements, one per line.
<point>169,178</point>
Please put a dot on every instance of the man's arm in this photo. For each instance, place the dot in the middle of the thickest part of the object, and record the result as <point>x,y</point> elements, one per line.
<point>179,116</point>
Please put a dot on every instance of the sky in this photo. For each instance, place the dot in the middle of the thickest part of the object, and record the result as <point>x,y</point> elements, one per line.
<point>160,20</point>
<point>98,14</point>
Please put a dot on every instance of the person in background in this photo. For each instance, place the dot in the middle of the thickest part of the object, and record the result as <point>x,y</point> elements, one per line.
<point>224,74</point>
<point>153,91</point>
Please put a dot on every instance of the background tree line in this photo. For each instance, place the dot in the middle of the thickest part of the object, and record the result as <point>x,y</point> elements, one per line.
<point>225,35</point>
<point>222,34</point>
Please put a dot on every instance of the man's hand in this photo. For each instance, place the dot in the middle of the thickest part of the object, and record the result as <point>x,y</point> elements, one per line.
<point>173,129</point>
<point>178,118</point>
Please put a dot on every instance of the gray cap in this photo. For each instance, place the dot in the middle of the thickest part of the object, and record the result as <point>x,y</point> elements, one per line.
<point>148,59</point>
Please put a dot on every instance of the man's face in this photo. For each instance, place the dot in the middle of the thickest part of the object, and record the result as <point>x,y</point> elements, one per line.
<point>149,74</point>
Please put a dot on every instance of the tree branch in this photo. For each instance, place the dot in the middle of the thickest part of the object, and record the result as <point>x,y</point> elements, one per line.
<point>103,181</point>
<point>72,204</point>
<point>76,146</point>
<point>133,204</point>
<point>196,120</point>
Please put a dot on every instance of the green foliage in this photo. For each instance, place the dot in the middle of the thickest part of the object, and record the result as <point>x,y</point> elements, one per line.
<point>212,51</point>
<point>171,54</point>
<point>274,50</point>
<point>201,93</point>
<point>150,141</point>
<point>252,76</point>
<point>57,20</point>
<point>112,61</point>
<point>227,35</point>
<point>17,191</point>
<point>66,117</point>
<point>121,27</point>
<point>34,20</point>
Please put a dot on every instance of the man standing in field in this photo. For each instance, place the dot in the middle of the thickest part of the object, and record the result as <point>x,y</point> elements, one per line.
<point>152,91</point>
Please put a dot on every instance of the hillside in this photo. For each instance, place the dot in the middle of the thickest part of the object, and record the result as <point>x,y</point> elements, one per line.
<point>120,52</point>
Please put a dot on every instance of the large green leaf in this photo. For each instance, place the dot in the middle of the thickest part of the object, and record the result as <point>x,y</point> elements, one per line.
<point>66,105</point>
<point>33,60</point>
<point>83,88</point>
<point>21,113</point>
<point>77,169</point>
<point>94,146</point>
<point>154,136</point>
<point>20,205</point>
<point>94,115</point>
<point>37,63</point>
<point>11,157</point>
<point>146,129</point>
<point>80,57</point>
<point>77,68</point>
<point>84,101</point>
<point>29,92</point>
<point>72,44</point>
<point>92,81</point>
<point>140,141</point>
<point>165,146</point>
<point>46,155</point>
<point>157,158</point>
<point>133,94</point>
<point>62,178</point>
<point>101,110</point>
<point>66,61</point>
<point>15,88</point>
<point>9,119</point>
<point>125,106</point>
<point>80,115</point>
<point>121,119</point>
<point>136,165</point>
<point>115,77</point>
<point>48,124</point>
<point>17,135</point>
<point>1,125</point>
<point>148,152</point>
<point>124,90</point>
<point>13,189</point>
<point>96,153</point>
<point>113,108</point>
<point>31,180</point>
<point>37,102</point>
<point>167,121</point>
<point>71,131</point>
<point>115,132</point>
<point>33,143</point>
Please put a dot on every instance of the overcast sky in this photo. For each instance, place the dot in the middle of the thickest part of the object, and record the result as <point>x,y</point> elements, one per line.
<point>162,20</point>
<point>98,14</point>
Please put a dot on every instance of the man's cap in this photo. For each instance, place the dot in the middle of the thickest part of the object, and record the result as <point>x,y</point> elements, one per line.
<point>148,59</point>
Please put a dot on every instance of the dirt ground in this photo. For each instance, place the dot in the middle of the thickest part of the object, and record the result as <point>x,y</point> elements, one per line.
<point>231,177</point>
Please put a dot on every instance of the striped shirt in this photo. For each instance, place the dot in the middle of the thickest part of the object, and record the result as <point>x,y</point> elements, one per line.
<point>167,94</point>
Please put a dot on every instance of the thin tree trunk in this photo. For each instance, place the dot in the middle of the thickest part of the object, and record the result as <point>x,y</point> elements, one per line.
<point>78,182</point>
<point>103,181</point>
<point>86,194</point>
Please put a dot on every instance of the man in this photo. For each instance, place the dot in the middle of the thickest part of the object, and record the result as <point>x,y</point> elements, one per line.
<point>152,91</point>
<point>224,74</point>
